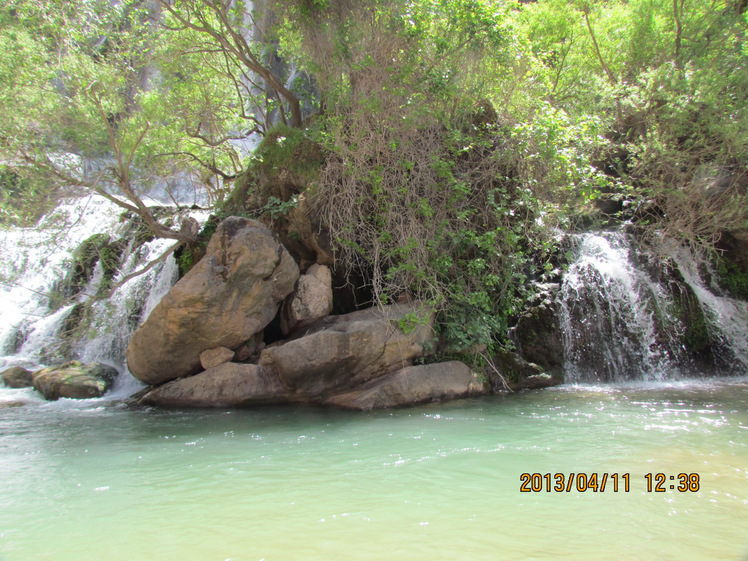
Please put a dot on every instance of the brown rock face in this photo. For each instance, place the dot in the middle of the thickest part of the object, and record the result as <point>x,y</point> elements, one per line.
<point>16,377</point>
<point>414,384</point>
<point>211,358</point>
<point>230,295</point>
<point>341,352</point>
<point>74,380</point>
<point>228,385</point>
<point>312,300</point>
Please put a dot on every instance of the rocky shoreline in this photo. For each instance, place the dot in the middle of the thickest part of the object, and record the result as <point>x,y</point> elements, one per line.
<point>204,344</point>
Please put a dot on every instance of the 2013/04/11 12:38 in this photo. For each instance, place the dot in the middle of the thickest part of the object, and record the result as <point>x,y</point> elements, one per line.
<point>581,482</point>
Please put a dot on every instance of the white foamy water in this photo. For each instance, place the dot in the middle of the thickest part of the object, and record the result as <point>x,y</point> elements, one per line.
<point>620,323</point>
<point>727,317</point>
<point>608,314</point>
<point>34,261</point>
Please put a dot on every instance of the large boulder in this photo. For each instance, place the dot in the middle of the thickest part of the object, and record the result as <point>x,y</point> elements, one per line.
<point>211,358</point>
<point>74,380</point>
<point>225,299</point>
<point>312,300</point>
<point>411,385</point>
<point>228,385</point>
<point>17,377</point>
<point>338,353</point>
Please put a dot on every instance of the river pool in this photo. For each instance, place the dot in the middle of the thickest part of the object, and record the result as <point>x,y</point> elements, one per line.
<point>103,481</point>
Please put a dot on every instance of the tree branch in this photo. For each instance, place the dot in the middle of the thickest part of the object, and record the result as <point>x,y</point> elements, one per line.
<point>139,272</point>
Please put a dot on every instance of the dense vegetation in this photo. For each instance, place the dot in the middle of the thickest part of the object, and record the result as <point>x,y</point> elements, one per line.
<point>455,134</point>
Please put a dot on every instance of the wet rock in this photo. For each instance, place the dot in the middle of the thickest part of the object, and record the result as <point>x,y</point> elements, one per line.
<point>211,358</point>
<point>225,299</point>
<point>538,336</point>
<point>341,352</point>
<point>17,377</point>
<point>411,385</point>
<point>74,380</point>
<point>228,385</point>
<point>312,300</point>
<point>509,371</point>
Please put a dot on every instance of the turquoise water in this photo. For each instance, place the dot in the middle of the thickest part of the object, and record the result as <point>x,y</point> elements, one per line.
<point>99,480</point>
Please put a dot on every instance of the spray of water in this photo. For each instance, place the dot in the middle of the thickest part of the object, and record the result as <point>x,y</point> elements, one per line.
<point>620,323</point>
<point>34,261</point>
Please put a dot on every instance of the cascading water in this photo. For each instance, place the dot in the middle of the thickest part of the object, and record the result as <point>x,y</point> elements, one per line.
<point>620,322</point>
<point>609,311</point>
<point>36,262</point>
<point>727,317</point>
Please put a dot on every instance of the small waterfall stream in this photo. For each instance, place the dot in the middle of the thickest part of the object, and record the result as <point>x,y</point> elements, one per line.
<point>37,314</point>
<point>727,317</point>
<point>620,318</point>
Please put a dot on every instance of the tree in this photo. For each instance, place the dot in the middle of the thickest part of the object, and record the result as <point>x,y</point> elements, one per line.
<point>241,36</point>
<point>88,83</point>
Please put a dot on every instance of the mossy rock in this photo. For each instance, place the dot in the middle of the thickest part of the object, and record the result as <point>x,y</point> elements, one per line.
<point>85,258</point>
<point>695,335</point>
<point>514,373</point>
<point>97,249</point>
<point>732,278</point>
<point>285,164</point>
<point>74,380</point>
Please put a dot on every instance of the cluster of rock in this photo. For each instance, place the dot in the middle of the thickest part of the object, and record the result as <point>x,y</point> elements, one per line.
<point>202,346</point>
<point>69,380</point>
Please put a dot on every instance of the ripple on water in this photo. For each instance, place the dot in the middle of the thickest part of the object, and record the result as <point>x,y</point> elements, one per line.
<point>441,481</point>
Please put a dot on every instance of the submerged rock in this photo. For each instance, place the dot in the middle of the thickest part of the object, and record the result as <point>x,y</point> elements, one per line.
<point>411,385</point>
<point>17,377</point>
<point>225,299</point>
<point>74,380</point>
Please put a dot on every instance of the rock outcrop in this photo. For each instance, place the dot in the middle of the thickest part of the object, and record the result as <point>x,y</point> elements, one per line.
<point>211,358</point>
<point>228,385</point>
<point>220,309</point>
<point>74,380</point>
<point>312,300</point>
<point>341,352</point>
<point>358,360</point>
<point>538,336</point>
<point>509,371</point>
<point>224,300</point>
<point>17,377</point>
<point>411,385</point>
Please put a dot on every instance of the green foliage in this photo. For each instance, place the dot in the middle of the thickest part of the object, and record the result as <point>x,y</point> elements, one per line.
<point>733,278</point>
<point>288,150</point>
<point>276,207</point>
<point>100,81</point>
<point>24,198</point>
<point>452,135</point>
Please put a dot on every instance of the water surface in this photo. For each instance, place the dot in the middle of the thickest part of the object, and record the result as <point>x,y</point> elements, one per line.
<point>99,480</point>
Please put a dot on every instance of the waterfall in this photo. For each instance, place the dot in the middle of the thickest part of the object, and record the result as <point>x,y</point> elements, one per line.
<point>36,267</point>
<point>622,315</point>
<point>727,317</point>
